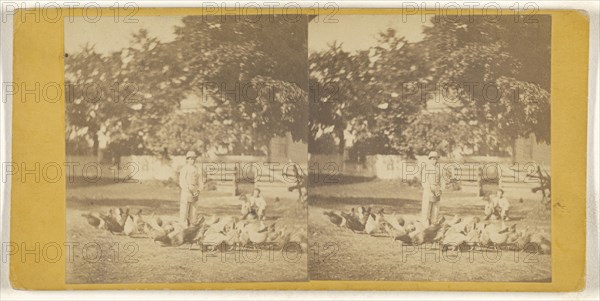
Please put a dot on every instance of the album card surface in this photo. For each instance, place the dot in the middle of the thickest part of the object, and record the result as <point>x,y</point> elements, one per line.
<point>343,149</point>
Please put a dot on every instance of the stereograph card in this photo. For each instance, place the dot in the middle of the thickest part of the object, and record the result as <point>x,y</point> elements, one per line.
<point>353,149</point>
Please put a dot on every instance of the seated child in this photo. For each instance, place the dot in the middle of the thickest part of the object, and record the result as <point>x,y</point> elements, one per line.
<point>253,207</point>
<point>258,204</point>
<point>497,206</point>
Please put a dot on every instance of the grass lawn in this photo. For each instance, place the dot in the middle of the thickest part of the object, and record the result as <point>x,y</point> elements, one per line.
<point>339,254</point>
<point>100,257</point>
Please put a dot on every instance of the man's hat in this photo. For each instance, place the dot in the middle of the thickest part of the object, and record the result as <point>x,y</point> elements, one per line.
<point>190,154</point>
<point>433,155</point>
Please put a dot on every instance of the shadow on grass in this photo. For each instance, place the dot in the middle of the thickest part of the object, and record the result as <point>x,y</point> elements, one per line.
<point>160,207</point>
<point>148,206</point>
<point>79,181</point>
<point>395,203</point>
<point>320,179</point>
<point>85,204</point>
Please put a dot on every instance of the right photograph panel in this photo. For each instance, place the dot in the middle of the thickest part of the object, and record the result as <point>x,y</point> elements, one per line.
<point>429,148</point>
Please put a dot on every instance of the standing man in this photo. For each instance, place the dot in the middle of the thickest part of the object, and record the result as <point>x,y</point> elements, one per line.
<point>431,181</point>
<point>188,182</point>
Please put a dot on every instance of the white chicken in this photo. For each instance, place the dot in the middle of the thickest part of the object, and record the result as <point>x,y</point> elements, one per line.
<point>371,226</point>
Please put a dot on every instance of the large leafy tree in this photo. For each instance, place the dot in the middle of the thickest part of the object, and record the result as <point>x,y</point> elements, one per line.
<point>82,72</point>
<point>121,96</point>
<point>397,65</point>
<point>362,93</point>
<point>495,72</point>
<point>339,87</point>
<point>444,132</point>
<point>252,74</point>
<point>500,75</point>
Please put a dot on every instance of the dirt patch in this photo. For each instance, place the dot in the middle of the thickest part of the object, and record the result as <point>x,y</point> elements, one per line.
<point>339,254</point>
<point>101,257</point>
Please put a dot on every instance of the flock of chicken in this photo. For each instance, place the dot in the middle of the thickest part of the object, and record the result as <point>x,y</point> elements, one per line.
<point>451,234</point>
<point>226,231</point>
<point>231,231</point>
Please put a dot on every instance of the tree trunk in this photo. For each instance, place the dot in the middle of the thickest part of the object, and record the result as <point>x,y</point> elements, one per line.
<point>96,145</point>
<point>342,150</point>
<point>514,150</point>
<point>342,145</point>
<point>269,151</point>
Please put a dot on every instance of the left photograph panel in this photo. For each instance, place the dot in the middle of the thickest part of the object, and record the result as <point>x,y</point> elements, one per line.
<point>190,137</point>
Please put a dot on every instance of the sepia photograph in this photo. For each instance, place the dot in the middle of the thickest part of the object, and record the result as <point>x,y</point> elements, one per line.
<point>189,137</point>
<point>255,149</point>
<point>429,148</point>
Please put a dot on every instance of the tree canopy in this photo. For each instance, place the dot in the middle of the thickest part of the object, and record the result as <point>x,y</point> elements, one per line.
<point>250,83</point>
<point>492,77</point>
<point>249,75</point>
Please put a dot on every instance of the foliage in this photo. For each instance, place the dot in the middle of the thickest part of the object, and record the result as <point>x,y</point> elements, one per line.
<point>324,144</point>
<point>497,74</point>
<point>251,74</point>
<point>143,85</point>
<point>254,72</point>
<point>361,93</point>
<point>120,96</point>
<point>440,131</point>
<point>490,65</point>
<point>339,84</point>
